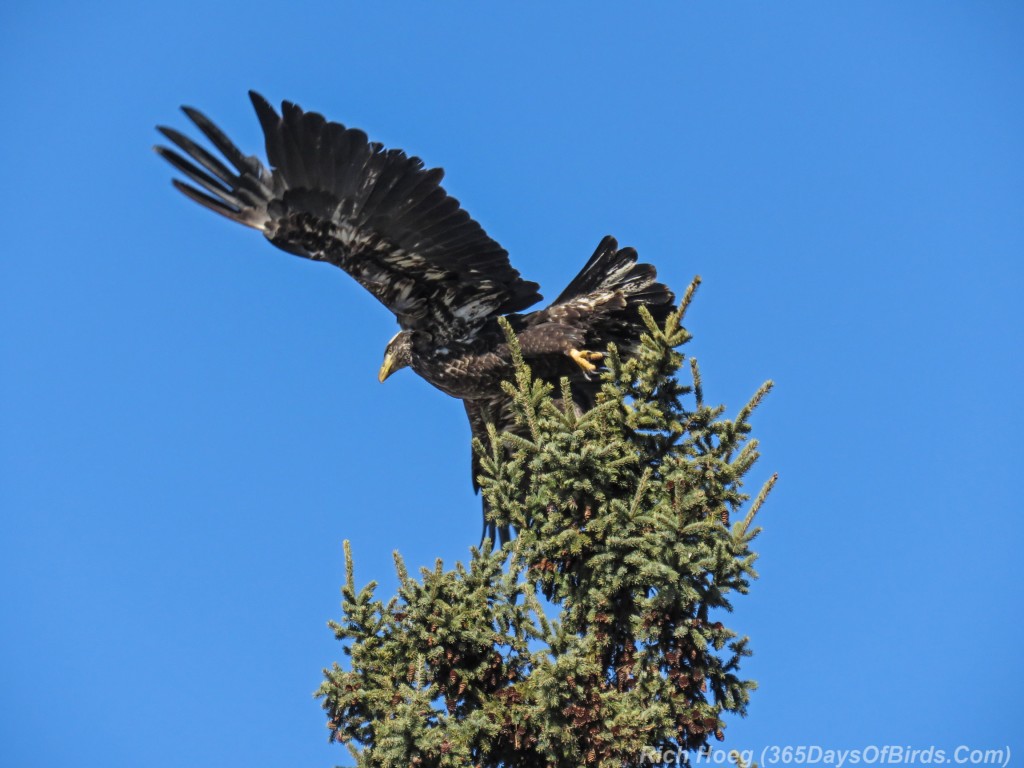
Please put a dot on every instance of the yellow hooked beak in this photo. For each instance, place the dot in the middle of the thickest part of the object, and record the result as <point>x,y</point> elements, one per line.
<point>386,368</point>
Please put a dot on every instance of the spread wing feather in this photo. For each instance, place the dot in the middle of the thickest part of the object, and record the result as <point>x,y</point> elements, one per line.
<point>600,305</point>
<point>332,195</point>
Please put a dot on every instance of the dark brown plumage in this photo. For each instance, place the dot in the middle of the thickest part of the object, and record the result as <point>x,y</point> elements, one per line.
<point>332,195</point>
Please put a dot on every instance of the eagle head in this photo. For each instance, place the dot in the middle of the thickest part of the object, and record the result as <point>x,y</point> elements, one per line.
<point>397,355</point>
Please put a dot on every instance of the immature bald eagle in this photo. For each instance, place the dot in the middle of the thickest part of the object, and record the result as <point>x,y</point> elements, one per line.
<point>331,195</point>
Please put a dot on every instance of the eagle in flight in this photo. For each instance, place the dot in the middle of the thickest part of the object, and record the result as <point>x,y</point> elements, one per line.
<point>332,195</point>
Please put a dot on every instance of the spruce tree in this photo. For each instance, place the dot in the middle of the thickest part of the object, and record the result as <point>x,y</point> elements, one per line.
<point>594,637</point>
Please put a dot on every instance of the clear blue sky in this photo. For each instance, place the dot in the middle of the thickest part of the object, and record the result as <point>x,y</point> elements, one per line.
<point>190,422</point>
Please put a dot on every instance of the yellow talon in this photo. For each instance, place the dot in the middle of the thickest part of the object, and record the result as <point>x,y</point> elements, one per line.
<point>586,359</point>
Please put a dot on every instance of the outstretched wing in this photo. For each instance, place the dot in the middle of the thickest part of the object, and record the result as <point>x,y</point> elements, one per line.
<point>600,305</point>
<point>332,195</point>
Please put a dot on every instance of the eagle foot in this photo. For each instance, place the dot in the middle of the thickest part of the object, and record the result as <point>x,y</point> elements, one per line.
<point>585,359</point>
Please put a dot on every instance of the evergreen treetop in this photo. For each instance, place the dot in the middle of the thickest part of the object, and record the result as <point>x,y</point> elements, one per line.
<point>595,637</point>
